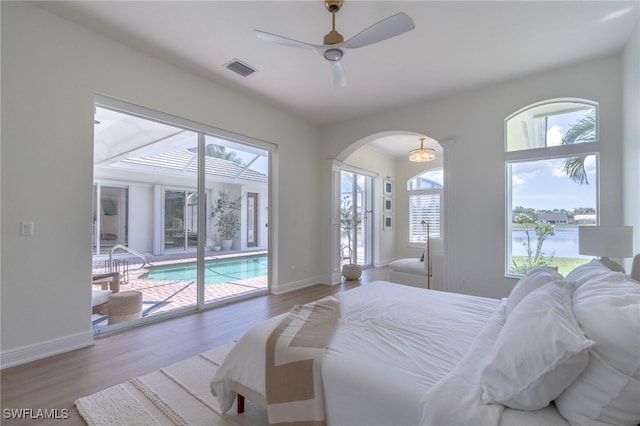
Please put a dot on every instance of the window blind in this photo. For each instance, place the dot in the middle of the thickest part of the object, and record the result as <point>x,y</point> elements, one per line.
<point>424,207</point>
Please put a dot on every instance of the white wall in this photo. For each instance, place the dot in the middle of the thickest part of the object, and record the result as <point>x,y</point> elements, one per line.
<point>631,138</point>
<point>51,70</point>
<point>476,188</point>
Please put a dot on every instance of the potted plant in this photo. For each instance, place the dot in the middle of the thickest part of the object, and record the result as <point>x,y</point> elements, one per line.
<point>351,270</point>
<point>225,210</point>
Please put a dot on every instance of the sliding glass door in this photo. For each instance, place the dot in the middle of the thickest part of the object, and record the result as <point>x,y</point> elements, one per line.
<point>184,208</point>
<point>355,218</point>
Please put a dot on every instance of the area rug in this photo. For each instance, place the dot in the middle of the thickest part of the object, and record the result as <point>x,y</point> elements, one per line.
<point>175,395</point>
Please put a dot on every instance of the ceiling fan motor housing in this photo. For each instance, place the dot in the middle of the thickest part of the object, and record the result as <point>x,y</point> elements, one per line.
<point>333,37</point>
<point>333,6</point>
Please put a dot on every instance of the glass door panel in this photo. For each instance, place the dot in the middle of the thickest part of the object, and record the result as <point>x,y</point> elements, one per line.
<point>246,170</point>
<point>180,220</point>
<point>191,220</point>
<point>355,221</point>
<point>252,219</point>
<point>363,223</point>
<point>110,218</point>
<point>174,227</point>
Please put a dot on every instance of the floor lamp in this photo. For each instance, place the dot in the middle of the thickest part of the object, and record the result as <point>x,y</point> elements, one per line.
<point>428,254</point>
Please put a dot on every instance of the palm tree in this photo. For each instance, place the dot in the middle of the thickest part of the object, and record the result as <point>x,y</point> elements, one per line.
<point>218,151</point>
<point>583,131</point>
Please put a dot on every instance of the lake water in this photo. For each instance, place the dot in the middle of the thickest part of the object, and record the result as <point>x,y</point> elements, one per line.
<point>564,242</point>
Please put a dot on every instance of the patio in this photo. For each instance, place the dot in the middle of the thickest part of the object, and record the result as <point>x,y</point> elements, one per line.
<point>159,296</point>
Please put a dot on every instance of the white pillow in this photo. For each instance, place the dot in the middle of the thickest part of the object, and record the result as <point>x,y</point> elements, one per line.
<point>539,352</point>
<point>608,390</point>
<point>592,270</point>
<point>534,279</point>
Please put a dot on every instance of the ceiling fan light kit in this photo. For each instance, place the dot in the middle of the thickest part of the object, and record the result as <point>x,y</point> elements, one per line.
<point>334,46</point>
<point>333,54</point>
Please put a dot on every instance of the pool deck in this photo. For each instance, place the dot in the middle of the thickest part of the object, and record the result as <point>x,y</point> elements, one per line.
<point>167,295</point>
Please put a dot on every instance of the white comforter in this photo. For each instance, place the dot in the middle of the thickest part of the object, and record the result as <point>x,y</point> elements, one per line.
<point>393,343</point>
<point>386,363</point>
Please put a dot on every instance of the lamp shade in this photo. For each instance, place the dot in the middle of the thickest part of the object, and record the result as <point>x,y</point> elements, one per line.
<point>606,241</point>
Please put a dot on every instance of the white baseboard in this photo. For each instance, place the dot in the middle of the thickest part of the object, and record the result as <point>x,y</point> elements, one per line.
<point>383,262</point>
<point>24,354</point>
<point>297,285</point>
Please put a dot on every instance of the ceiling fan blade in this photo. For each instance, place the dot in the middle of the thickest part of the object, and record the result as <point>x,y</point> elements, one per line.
<point>274,38</point>
<point>338,76</point>
<point>389,27</point>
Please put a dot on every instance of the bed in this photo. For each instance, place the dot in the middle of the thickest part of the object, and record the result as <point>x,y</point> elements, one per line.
<point>401,355</point>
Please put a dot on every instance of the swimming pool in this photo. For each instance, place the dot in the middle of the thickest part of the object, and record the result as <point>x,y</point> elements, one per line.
<point>215,271</point>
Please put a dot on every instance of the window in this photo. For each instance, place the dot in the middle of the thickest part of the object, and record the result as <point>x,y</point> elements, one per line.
<point>425,200</point>
<point>552,174</point>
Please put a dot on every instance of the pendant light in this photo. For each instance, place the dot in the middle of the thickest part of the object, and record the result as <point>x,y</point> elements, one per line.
<point>422,154</point>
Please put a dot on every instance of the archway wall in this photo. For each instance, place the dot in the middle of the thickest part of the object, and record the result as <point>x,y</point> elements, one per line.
<point>393,244</point>
<point>474,122</point>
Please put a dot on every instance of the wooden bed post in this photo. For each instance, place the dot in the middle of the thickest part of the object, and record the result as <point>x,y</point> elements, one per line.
<point>240,404</point>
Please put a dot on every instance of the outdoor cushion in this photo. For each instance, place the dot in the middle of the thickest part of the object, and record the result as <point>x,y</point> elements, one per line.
<point>98,297</point>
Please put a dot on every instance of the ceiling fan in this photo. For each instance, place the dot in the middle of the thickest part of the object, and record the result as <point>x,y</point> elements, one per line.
<point>334,46</point>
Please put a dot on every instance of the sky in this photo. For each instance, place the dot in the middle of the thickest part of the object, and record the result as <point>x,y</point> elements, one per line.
<point>543,185</point>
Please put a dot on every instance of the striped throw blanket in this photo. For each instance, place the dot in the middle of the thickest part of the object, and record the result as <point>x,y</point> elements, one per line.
<point>294,352</point>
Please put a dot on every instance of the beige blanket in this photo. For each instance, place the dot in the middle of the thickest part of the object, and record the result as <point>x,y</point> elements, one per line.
<point>294,352</point>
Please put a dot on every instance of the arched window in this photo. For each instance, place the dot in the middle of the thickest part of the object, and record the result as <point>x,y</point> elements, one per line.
<point>551,157</point>
<point>425,201</point>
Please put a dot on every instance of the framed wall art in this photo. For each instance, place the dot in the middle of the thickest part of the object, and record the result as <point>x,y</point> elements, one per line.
<point>388,222</point>
<point>388,204</point>
<point>387,187</point>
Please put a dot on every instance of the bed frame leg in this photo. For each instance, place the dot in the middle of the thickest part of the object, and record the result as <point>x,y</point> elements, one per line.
<point>240,404</point>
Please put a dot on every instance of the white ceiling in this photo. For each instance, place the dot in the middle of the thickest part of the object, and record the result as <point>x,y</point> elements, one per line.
<point>456,45</point>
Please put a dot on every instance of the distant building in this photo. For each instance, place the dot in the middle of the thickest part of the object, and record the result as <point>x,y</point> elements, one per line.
<point>585,219</point>
<point>553,218</point>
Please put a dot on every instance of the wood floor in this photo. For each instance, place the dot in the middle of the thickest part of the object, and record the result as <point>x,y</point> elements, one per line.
<point>56,382</point>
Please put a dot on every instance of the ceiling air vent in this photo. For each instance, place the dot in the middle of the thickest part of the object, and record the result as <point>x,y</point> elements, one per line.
<point>240,68</point>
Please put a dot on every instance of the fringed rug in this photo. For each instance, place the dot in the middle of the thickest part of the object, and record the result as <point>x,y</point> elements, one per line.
<point>175,395</point>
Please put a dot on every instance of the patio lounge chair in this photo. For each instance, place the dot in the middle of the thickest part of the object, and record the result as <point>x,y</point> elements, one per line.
<point>109,283</point>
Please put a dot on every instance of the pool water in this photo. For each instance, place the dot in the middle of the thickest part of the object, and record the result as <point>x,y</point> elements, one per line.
<point>215,271</point>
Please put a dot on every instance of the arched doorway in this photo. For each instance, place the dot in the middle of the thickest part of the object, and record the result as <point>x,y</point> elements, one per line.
<point>384,158</point>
